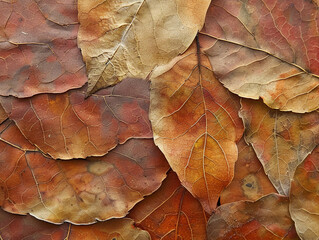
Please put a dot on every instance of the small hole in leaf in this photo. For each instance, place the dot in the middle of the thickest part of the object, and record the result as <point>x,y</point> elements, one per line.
<point>249,185</point>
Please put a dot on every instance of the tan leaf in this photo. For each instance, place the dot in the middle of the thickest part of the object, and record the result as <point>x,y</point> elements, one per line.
<point>267,49</point>
<point>77,191</point>
<point>171,213</point>
<point>250,181</point>
<point>69,126</point>
<point>281,140</point>
<point>304,197</point>
<point>128,38</point>
<point>195,124</point>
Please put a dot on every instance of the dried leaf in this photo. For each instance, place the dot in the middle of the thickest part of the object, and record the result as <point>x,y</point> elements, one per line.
<point>128,38</point>
<point>304,197</point>
<point>267,49</point>
<point>281,140</point>
<point>37,54</point>
<point>78,191</point>
<point>171,213</point>
<point>15,227</point>
<point>3,115</point>
<point>69,126</point>
<point>195,124</point>
<point>266,219</point>
<point>250,181</point>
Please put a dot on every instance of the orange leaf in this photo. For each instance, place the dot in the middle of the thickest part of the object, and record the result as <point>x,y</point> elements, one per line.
<point>266,219</point>
<point>250,181</point>
<point>171,213</point>
<point>69,126</point>
<point>38,52</point>
<point>78,191</point>
<point>195,124</point>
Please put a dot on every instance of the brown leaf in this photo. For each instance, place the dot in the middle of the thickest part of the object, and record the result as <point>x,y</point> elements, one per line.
<point>16,227</point>
<point>304,197</point>
<point>38,48</point>
<point>128,38</point>
<point>69,126</point>
<point>266,219</point>
<point>195,124</point>
<point>171,213</point>
<point>267,49</point>
<point>78,191</point>
<point>3,115</point>
<point>250,181</point>
<point>281,140</point>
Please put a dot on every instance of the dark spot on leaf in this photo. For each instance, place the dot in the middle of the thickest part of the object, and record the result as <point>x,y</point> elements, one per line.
<point>249,185</point>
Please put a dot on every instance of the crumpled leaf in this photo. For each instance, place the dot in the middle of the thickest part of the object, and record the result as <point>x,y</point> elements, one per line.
<point>304,197</point>
<point>171,213</point>
<point>69,126</point>
<point>38,48</point>
<point>195,124</point>
<point>250,181</point>
<point>77,191</point>
<point>266,219</point>
<point>14,227</point>
<point>129,38</point>
<point>267,49</point>
<point>281,140</point>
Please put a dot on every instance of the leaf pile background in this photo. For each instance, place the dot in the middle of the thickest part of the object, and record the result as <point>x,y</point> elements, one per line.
<point>147,119</point>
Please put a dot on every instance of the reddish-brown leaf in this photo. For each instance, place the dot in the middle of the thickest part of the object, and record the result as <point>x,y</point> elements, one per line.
<point>78,191</point>
<point>281,140</point>
<point>16,227</point>
<point>304,197</point>
<point>267,49</point>
<point>196,125</point>
<point>69,126</point>
<point>3,115</point>
<point>266,219</point>
<point>171,213</point>
<point>250,181</point>
<point>38,48</point>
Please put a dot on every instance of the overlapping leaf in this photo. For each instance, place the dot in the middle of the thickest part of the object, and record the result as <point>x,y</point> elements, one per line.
<point>281,140</point>
<point>38,48</point>
<point>69,126</point>
<point>195,124</point>
<point>14,227</point>
<point>171,213</point>
<point>128,38</point>
<point>267,49</point>
<point>250,181</point>
<point>304,197</point>
<point>266,219</point>
<point>3,115</point>
<point>78,191</point>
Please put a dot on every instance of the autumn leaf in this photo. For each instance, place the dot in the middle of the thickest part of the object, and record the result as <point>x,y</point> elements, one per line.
<point>127,38</point>
<point>38,48</point>
<point>250,181</point>
<point>77,191</point>
<point>3,115</point>
<point>195,124</point>
<point>267,49</point>
<point>281,140</point>
<point>69,126</point>
<point>15,227</point>
<point>171,213</point>
<point>304,197</point>
<point>266,219</point>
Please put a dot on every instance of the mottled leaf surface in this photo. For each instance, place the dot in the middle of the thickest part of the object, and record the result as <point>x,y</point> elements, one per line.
<point>171,213</point>
<point>16,227</point>
<point>195,124</point>
<point>69,126</point>
<point>38,48</point>
<point>267,49</point>
<point>281,140</point>
<point>304,197</point>
<point>266,219</point>
<point>128,38</point>
<point>250,181</point>
<point>78,191</point>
